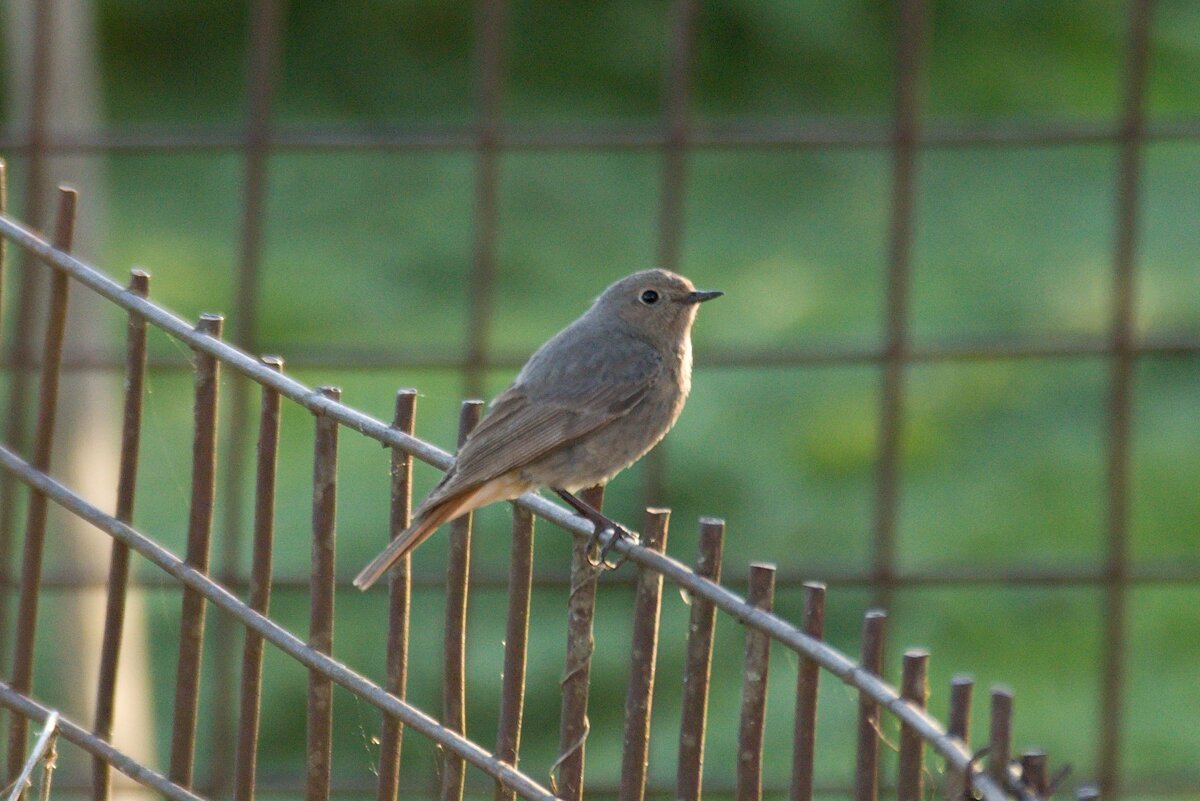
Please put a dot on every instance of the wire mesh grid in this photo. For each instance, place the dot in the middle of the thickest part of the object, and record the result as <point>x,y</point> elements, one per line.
<point>675,139</point>
<point>1003,778</point>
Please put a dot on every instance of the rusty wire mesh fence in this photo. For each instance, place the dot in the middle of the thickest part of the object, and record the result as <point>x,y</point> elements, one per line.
<point>1004,777</point>
<point>676,139</point>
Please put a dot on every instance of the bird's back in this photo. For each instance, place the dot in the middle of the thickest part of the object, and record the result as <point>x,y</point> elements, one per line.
<point>612,358</point>
<point>577,384</point>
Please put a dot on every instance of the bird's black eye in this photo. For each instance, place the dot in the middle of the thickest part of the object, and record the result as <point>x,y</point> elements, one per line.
<point>649,297</point>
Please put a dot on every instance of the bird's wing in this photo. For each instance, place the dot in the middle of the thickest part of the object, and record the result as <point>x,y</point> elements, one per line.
<point>542,412</point>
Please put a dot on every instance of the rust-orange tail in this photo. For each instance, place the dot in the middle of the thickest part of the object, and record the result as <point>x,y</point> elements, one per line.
<point>410,538</point>
<point>502,488</point>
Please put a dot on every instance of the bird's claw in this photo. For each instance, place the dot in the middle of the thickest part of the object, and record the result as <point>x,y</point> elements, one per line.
<point>597,554</point>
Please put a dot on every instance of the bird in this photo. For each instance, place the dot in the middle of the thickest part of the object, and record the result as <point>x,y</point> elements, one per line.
<point>591,401</point>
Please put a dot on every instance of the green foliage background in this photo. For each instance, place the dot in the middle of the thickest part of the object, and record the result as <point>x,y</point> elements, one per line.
<point>1003,462</point>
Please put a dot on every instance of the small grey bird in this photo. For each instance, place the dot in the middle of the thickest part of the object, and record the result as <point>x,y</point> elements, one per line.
<point>589,403</point>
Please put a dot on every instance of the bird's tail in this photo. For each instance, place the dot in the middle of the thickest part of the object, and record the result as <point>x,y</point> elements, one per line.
<point>502,488</point>
<point>407,540</point>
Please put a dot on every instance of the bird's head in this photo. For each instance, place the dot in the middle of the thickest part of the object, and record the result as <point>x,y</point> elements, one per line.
<point>658,305</point>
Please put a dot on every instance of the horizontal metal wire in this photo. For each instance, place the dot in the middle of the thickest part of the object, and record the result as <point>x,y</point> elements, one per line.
<point>602,135</point>
<point>1162,787</point>
<point>816,355</point>
<point>1174,572</point>
<point>283,785</point>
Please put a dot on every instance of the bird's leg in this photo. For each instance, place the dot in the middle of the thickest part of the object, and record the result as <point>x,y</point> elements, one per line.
<point>600,523</point>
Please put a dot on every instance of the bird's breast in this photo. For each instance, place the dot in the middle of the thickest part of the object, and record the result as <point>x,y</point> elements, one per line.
<point>684,368</point>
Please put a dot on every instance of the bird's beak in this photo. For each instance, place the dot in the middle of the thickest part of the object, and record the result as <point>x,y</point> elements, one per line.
<point>699,296</point>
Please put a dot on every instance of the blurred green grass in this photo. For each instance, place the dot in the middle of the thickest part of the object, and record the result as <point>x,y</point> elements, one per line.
<point>1003,462</point>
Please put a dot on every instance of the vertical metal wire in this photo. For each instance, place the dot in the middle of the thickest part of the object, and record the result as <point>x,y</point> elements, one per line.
<point>1122,332</point>
<point>245,766</point>
<point>454,664</point>
<point>6,481</point>
<point>3,240</point>
<point>118,569</point>
<point>866,766</point>
<point>761,594</point>
<point>905,134</point>
<point>1000,734</point>
<point>43,443</point>
<point>489,55</point>
<point>191,621</point>
<point>263,62</point>
<point>958,724</point>
<point>28,285</point>
<point>804,737</point>
<point>38,137</point>
<point>581,609</point>
<point>399,600</point>
<point>676,121</point>
<point>1033,773</point>
<point>647,608</point>
<point>516,645</point>
<point>7,484</point>
<point>693,717</point>
<point>49,762</point>
<point>677,101</point>
<point>914,688</point>
<point>263,57</point>
<point>321,591</point>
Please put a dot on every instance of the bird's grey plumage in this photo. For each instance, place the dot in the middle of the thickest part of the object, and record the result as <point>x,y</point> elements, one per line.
<point>591,401</point>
